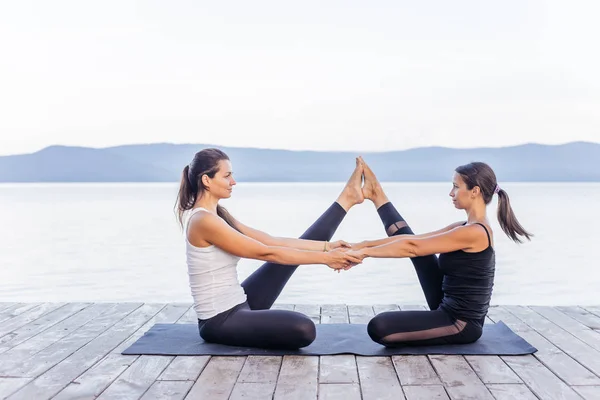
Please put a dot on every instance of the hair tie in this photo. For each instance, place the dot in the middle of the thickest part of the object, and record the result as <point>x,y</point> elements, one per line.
<point>497,189</point>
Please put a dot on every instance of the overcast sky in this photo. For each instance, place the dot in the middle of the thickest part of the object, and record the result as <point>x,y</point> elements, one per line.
<point>322,75</point>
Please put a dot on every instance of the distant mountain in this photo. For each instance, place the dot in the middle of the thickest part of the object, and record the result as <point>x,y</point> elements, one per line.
<point>577,161</point>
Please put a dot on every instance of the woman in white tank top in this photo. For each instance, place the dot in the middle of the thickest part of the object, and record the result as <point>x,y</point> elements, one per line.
<point>239,314</point>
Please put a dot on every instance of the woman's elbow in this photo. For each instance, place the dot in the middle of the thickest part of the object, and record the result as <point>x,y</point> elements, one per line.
<point>268,254</point>
<point>411,250</point>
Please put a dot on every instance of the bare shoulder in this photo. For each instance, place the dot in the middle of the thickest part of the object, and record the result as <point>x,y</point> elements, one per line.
<point>202,228</point>
<point>477,233</point>
<point>457,224</point>
<point>202,220</point>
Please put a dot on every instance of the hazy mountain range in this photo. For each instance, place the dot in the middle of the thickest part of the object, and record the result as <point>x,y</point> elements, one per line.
<point>577,161</point>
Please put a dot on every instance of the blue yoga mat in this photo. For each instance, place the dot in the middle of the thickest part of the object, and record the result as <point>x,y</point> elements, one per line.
<point>184,340</point>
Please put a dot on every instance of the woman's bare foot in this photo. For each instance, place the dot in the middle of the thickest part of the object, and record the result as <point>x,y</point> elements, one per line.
<point>352,193</point>
<point>372,189</point>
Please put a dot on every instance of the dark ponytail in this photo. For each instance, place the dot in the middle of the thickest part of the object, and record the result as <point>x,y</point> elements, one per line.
<point>507,219</point>
<point>205,162</point>
<point>480,174</point>
<point>186,198</point>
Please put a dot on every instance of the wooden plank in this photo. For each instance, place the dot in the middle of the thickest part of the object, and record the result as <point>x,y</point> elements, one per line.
<point>85,348</point>
<point>379,308</point>
<point>172,390</point>
<point>593,309</point>
<point>415,370</point>
<point>34,337</point>
<point>4,306</point>
<point>540,380</point>
<point>432,392</point>
<point>413,307</point>
<point>511,392</point>
<point>10,385</point>
<point>312,311</point>
<point>258,377</point>
<point>277,306</point>
<point>334,314</point>
<point>491,369</point>
<point>580,351</point>
<point>96,379</point>
<point>588,392</point>
<point>252,390</point>
<point>575,328</point>
<point>136,379</point>
<point>218,378</point>
<point>559,318</point>
<point>460,380</point>
<point>339,391</point>
<point>360,314</point>
<point>378,378</point>
<point>260,369</point>
<point>565,367</point>
<point>28,316</point>
<point>498,314</point>
<point>171,313</point>
<point>16,310</point>
<point>51,355</point>
<point>297,378</point>
<point>339,368</point>
<point>184,368</point>
<point>580,314</point>
<point>190,317</point>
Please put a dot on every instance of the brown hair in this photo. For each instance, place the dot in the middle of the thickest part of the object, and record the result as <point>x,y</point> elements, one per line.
<point>480,174</point>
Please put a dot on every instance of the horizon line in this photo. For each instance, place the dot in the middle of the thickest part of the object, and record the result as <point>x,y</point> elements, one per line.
<point>299,150</point>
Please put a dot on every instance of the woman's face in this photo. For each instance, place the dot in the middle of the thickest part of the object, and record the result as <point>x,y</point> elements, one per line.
<point>221,185</point>
<point>460,194</point>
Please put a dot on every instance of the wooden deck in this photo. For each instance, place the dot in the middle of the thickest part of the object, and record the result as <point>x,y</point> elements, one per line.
<point>72,351</point>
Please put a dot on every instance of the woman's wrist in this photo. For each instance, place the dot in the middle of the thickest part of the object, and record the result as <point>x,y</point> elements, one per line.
<point>359,245</point>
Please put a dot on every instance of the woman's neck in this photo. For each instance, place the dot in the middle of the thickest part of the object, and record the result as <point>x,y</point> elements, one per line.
<point>477,213</point>
<point>208,203</point>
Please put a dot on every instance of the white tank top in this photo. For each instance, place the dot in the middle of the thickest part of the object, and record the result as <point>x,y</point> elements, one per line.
<point>213,277</point>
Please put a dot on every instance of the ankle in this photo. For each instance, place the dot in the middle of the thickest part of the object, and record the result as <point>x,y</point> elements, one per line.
<point>345,202</point>
<point>379,199</point>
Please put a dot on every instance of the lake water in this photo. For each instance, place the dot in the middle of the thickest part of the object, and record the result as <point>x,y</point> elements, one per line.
<point>121,242</point>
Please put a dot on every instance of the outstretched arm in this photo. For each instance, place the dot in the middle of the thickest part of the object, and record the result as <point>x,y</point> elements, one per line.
<point>391,239</point>
<point>460,238</point>
<point>299,244</point>
<point>212,229</point>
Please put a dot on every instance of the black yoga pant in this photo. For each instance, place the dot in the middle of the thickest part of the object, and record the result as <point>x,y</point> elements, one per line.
<point>420,328</point>
<point>402,328</point>
<point>252,323</point>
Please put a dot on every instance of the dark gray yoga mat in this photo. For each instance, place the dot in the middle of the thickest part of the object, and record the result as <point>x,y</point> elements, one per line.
<point>184,340</point>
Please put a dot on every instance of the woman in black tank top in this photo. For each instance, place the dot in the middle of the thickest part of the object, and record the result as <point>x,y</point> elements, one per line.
<point>458,284</point>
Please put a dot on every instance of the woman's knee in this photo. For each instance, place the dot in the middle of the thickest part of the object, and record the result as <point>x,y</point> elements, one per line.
<point>376,328</point>
<point>304,332</point>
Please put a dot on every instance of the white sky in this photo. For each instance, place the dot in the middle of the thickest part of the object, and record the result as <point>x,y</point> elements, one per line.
<point>322,75</point>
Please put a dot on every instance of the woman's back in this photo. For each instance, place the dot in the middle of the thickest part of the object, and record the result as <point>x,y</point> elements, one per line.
<point>213,277</point>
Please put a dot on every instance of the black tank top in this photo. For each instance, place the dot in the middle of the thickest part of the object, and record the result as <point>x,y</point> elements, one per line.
<point>468,281</point>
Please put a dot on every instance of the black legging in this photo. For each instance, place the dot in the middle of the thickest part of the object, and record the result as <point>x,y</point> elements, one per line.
<point>416,328</point>
<point>252,323</point>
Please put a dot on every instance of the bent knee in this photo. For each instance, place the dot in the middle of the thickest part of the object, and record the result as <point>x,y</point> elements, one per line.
<point>304,332</point>
<point>376,328</point>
